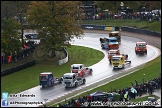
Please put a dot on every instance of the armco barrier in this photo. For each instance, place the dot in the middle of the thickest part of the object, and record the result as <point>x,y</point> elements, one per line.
<point>62,61</point>
<point>17,68</point>
<point>123,28</point>
<point>140,31</point>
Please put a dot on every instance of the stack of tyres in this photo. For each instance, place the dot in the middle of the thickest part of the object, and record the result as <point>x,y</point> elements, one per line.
<point>3,73</point>
<point>8,72</point>
<point>24,65</point>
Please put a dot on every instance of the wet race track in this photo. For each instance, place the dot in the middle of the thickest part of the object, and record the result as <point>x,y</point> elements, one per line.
<point>91,40</point>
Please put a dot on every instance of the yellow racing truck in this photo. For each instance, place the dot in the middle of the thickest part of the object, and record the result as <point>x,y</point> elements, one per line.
<point>118,61</point>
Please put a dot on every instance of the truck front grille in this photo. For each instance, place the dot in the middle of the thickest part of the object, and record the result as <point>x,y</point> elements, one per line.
<point>115,64</point>
<point>67,83</point>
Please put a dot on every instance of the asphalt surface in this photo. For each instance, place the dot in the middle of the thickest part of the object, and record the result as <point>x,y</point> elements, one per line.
<point>91,39</point>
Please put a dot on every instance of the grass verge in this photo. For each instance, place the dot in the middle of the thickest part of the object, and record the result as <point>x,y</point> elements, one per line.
<point>28,78</point>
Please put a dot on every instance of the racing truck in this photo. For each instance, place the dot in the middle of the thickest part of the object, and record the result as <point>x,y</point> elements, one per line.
<point>72,80</point>
<point>116,34</point>
<point>47,79</point>
<point>118,61</point>
<point>115,52</point>
<point>81,70</point>
<point>141,48</point>
<point>109,43</point>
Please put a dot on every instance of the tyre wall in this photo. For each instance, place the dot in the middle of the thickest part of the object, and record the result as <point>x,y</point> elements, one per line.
<point>18,68</point>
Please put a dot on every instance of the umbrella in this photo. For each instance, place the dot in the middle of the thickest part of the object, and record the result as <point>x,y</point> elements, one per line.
<point>133,90</point>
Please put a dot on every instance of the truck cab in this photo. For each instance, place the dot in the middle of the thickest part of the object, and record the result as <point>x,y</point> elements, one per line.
<point>116,34</point>
<point>115,52</point>
<point>81,70</point>
<point>118,61</point>
<point>47,79</point>
<point>78,68</point>
<point>72,80</point>
<point>141,48</point>
<point>109,43</point>
<point>112,53</point>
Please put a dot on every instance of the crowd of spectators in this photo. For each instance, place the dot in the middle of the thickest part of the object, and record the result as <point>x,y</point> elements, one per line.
<point>125,93</point>
<point>14,56</point>
<point>122,15</point>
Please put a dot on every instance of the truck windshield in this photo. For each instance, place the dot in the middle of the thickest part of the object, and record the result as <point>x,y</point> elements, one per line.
<point>114,34</point>
<point>116,59</point>
<point>43,78</point>
<point>75,67</point>
<point>31,36</point>
<point>112,40</point>
<point>65,77</point>
<point>111,53</point>
<point>141,45</point>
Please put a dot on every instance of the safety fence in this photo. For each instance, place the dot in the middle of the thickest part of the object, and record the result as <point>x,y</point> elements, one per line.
<point>123,28</point>
<point>18,68</point>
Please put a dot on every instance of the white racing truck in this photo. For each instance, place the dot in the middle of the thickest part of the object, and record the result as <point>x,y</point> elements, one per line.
<point>72,80</point>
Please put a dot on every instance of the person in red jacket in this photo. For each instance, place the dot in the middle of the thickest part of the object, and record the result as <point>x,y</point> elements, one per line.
<point>89,98</point>
<point>78,104</point>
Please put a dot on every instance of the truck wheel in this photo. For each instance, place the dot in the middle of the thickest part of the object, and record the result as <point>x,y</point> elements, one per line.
<point>146,52</point>
<point>84,81</point>
<point>126,56</point>
<point>60,80</point>
<point>91,72</point>
<point>43,86</point>
<point>136,53</point>
<point>76,84</point>
<point>123,66</point>
<point>109,61</point>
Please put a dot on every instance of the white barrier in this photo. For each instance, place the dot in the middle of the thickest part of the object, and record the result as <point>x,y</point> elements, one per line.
<point>62,61</point>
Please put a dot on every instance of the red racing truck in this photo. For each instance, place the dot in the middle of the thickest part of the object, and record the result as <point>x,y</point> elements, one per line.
<point>81,70</point>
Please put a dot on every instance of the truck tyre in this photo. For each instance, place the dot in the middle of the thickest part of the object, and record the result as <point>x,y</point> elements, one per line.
<point>123,66</point>
<point>126,56</point>
<point>43,86</point>
<point>60,80</point>
<point>76,84</point>
<point>91,71</point>
<point>84,81</point>
<point>146,52</point>
<point>136,52</point>
<point>109,61</point>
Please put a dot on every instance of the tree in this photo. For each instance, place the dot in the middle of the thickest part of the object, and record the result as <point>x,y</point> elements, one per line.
<point>10,36</point>
<point>57,22</point>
